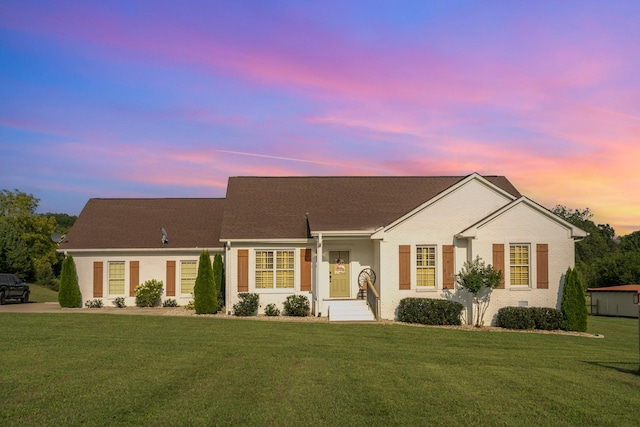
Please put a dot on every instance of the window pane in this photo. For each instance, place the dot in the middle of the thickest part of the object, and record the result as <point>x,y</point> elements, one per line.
<point>284,279</point>
<point>426,276</point>
<point>519,268</point>
<point>264,260</point>
<point>426,266</point>
<point>284,269</point>
<point>264,279</point>
<point>264,269</point>
<point>188,274</point>
<point>281,274</point>
<point>116,278</point>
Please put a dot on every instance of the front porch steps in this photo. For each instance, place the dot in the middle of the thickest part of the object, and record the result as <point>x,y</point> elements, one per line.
<point>350,311</point>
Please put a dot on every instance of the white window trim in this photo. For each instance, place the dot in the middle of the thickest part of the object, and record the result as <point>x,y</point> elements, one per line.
<point>414,273</point>
<point>124,279</point>
<point>529,265</point>
<point>274,289</point>
<point>184,294</point>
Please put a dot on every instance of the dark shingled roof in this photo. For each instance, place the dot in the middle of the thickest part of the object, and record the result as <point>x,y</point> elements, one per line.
<point>136,223</point>
<point>617,288</point>
<point>276,207</point>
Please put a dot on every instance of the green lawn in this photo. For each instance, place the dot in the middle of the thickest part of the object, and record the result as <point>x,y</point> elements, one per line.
<point>105,369</point>
<point>42,294</point>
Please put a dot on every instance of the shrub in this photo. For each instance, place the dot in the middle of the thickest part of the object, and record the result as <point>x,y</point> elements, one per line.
<point>148,294</point>
<point>297,305</point>
<point>189,306</point>
<point>543,318</point>
<point>428,311</point>
<point>46,278</point>
<point>247,306</point>
<point>574,304</point>
<point>218,278</point>
<point>69,293</point>
<point>119,302</point>
<point>546,318</point>
<point>205,295</point>
<point>170,303</point>
<point>271,310</point>
<point>515,318</point>
<point>94,303</point>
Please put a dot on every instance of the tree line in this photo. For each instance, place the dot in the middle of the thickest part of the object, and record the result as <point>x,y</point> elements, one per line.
<point>602,258</point>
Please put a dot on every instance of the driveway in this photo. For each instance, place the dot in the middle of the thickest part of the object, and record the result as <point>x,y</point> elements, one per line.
<point>32,307</point>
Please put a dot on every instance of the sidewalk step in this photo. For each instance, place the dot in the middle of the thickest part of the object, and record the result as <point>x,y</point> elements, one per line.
<point>350,311</point>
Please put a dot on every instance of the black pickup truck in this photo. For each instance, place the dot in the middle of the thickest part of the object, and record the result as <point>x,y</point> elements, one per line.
<point>13,288</point>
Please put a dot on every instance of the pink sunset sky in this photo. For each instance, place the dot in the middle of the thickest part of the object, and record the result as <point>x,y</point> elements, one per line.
<point>170,98</point>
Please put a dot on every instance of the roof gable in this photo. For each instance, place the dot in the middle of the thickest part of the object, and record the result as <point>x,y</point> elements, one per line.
<point>470,232</point>
<point>473,177</point>
<point>136,223</point>
<point>288,207</point>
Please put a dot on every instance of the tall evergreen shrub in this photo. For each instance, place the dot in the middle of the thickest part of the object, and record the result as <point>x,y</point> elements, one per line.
<point>69,291</point>
<point>574,303</point>
<point>218,278</point>
<point>205,295</point>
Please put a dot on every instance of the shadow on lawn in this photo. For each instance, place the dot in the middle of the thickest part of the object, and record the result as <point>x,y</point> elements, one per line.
<point>624,367</point>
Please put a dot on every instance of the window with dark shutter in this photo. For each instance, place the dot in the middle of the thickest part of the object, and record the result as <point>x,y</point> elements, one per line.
<point>243,270</point>
<point>404,267</point>
<point>134,277</point>
<point>305,270</point>
<point>542,261</point>
<point>498,261</point>
<point>171,279</point>
<point>97,279</point>
<point>447,267</point>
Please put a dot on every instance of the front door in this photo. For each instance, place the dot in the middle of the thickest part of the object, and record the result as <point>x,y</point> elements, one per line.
<point>339,275</point>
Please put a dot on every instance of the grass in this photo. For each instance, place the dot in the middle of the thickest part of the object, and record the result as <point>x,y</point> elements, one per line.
<point>103,369</point>
<point>42,294</point>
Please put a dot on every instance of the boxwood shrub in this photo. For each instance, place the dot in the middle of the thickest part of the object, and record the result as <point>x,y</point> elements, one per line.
<point>529,318</point>
<point>428,311</point>
<point>248,304</point>
<point>515,318</point>
<point>296,305</point>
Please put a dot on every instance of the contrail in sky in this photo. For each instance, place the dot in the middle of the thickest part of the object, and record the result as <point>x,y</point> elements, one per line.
<point>290,159</point>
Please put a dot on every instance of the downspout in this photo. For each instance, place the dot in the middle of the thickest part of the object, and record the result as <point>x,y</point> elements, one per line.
<point>318,263</point>
<point>227,292</point>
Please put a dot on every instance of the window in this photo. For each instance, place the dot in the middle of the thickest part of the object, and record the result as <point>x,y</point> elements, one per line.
<point>426,266</point>
<point>519,264</point>
<point>188,273</point>
<point>116,278</point>
<point>280,272</point>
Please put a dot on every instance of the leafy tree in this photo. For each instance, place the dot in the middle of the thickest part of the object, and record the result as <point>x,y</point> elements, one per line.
<point>574,304</point>
<point>619,268</point>
<point>480,280</point>
<point>18,209</point>
<point>69,293</point>
<point>205,295</point>
<point>64,222</point>
<point>218,277</point>
<point>14,252</point>
<point>631,242</point>
<point>599,244</point>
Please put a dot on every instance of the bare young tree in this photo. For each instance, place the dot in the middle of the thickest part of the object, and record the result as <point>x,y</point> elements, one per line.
<point>480,280</point>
